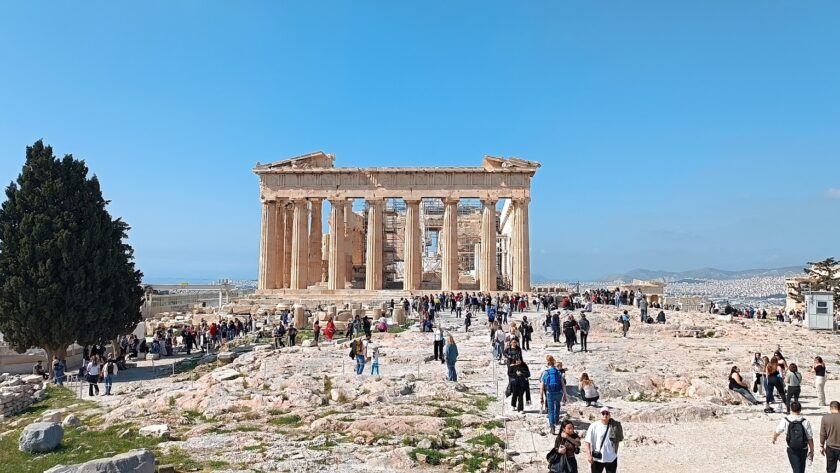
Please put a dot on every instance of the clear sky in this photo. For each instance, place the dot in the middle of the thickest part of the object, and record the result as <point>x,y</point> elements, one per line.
<point>673,135</point>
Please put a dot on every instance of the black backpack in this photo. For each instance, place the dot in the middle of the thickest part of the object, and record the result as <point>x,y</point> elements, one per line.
<point>109,368</point>
<point>797,438</point>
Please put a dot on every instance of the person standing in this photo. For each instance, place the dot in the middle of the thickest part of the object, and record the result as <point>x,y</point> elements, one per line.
<point>93,370</point>
<point>467,321</point>
<point>773,380</point>
<point>316,331</point>
<point>830,437</point>
<point>451,358</point>
<point>601,443</point>
<point>819,380</point>
<point>552,391</point>
<point>360,351</point>
<point>758,374</point>
<point>583,323</point>
<point>569,332</point>
<point>799,437</point>
<point>373,348</point>
<point>110,370</point>
<point>292,334</point>
<point>555,327</point>
<point>58,371</point>
<point>438,344</point>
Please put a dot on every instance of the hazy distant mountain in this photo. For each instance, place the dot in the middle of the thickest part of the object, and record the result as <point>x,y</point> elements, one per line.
<point>704,273</point>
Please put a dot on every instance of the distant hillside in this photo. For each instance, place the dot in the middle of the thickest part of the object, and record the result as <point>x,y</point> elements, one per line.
<point>704,273</point>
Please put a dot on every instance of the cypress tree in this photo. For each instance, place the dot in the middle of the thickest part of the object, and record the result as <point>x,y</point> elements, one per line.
<point>65,273</point>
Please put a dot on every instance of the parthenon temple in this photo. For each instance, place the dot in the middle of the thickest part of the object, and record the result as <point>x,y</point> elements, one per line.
<point>404,229</point>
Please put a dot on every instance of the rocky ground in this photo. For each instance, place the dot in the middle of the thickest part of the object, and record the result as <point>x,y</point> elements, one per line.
<point>303,409</point>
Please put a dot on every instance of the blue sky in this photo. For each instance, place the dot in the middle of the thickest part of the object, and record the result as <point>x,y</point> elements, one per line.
<point>673,135</point>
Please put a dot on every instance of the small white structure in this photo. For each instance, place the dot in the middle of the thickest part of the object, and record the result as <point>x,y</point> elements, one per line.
<point>819,310</point>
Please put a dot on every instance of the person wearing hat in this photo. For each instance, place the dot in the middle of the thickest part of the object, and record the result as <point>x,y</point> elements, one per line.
<point>601,443</point>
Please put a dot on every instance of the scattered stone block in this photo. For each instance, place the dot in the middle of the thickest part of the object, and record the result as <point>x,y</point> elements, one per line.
<point>156,430</point>
<point>226,357</point>
<point>41,437</point>
<point>71,421</point>
<point>152,356</point>
<point>135,461</point>
<point>225,374</point>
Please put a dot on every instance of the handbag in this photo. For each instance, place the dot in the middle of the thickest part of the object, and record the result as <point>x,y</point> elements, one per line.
<point>557,463</point>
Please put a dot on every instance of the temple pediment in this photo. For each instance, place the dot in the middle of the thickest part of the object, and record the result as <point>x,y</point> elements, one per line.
<point>316,160</point>
<point>492,163</point>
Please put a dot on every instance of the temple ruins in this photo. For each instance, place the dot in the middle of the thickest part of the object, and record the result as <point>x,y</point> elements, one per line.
<point>393,231</point>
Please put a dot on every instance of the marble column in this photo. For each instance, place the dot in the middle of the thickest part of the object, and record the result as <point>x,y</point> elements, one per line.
<point>488,245</point>
<point>316,235</point>
<point>268,245</point>
<point>300,245</point>
<point>373,252</point>
<point>521,247</point>
<point>412,256</point>
<point>335,266</point>
<point>349,220</point>
<point>288,210</point>
<point>280,220</point>
<point>477,261</point>
<point>449,246</point>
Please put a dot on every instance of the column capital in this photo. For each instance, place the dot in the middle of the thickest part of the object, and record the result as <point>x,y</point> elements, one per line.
<point>412,201</point>
<point>316,200</point>
<point>521,200</point>
<point>376,201</point>
<point>450,200</point>
<point>489,202</point>
<point>337,201</point>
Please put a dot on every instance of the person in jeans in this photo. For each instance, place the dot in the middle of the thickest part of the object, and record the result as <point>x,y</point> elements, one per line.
<point>830,437</point>
<point>109,371</point>
<point>758,373</point>
<point>793,381</point>
<point>374,358</point>
<point>799,449</point>
<point>601,443</point>
<point>361,355</point>
<point>583,323</point>
<point>451,352</point>
<point>772,380</point>
<point>552,391</point>
<point>737,384</point>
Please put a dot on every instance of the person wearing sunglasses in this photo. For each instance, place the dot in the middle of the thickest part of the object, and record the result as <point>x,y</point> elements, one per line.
<point>601,443</point>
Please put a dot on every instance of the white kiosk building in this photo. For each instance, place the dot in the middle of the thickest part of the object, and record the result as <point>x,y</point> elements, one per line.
<point>819,310</point>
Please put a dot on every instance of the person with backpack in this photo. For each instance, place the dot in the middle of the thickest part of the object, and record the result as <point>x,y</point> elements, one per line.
<point>292,335</point>
<point>625,323</point>
<point>110,370</point>
<point>358,350</point>
<point>552,391</point>
<point>601,441</point>
<point>799,436</point>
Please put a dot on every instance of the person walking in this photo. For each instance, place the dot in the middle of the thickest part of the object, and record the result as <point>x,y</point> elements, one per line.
<point>360,353</point>
<point>793,383</point>
<point>830,437</point>
<point>92,370</point>
<point>526,329</point>
<point>569,332</point>
<point>819,379</point>
<point>451,358</point>
<point>438,344</point>
<point>555,327</point>
<point>552,391</point>
<point>799,437</point>
<point>109,371</point>
<point>601,443</point>
<point>316,332</point>
<point>567,444</point>
<point>373,349</point>
<point>625,324</point>
<point>773,380</point>
<point>583,323</point>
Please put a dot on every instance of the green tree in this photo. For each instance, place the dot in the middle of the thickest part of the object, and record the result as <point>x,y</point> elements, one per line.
<point>822,276</point>
<point>66,274</point>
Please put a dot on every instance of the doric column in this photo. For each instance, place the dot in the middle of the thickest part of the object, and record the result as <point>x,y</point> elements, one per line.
<point>349,224</point>
<point>449,245</point>
<point>335,266</point>
<point>477,261</point>
<point>280,232</point>
<point>521,247</point>
<point>316,234</point>
<point>300,245</point>
<point>412,255</point>
<point>268,245</point>
<point>488,246</point>
<point>373,253</point>
<point>288,210</point>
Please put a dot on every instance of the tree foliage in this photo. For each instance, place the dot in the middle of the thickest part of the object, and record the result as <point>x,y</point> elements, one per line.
<point>822,276</point>
<point>66,274</point>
